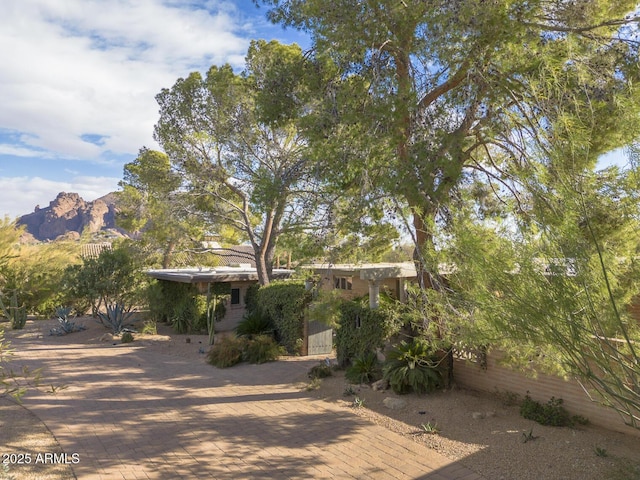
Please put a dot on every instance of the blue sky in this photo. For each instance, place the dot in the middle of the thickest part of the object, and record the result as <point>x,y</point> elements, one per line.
<point>78,80</point>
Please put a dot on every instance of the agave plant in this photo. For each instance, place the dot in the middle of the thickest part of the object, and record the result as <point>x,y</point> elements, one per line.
<point>412,367</point>
<point>65,325</point>
<point>116,318</point>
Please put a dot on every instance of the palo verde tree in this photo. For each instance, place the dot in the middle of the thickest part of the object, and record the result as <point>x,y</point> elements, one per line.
<point>430,92</point>
<point>237,141</point>
<point>152,204</point>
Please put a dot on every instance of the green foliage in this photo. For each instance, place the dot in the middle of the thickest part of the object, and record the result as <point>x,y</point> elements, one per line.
<point>362,330</point>
<point>150,327</point>
<point>430,428</point>
<point>227,352</point>
<point>178,304</point>
<point>127,337</point>
<point>251,298</point>
<point>17,313</point>
<point>284,303</point>
<point>261,349</point>
<point>151,203</point>
<point>552,413</point>
<point>65,325</point>
<point>413,367</point>
<point>237,140</point>
<point>364,369</point>
<point>116,318</point>
<point>12,383</point>
<point>253,324</point>
<point>322,370</point>
<point>115,276</point>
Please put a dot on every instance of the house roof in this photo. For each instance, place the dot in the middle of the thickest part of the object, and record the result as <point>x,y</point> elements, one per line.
<point>367,271</point>
<point>214,275</point>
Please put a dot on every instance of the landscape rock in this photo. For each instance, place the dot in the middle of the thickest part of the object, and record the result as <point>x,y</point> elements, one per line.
<point>394,403</point>
<point>380,385</point>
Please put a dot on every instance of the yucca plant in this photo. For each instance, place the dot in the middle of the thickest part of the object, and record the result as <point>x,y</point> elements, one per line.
<point>364,369</point>
<point>412,367</point>
<point>115,318</point>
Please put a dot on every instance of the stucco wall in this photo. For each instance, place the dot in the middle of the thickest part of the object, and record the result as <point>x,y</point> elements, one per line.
<point>541,388</point>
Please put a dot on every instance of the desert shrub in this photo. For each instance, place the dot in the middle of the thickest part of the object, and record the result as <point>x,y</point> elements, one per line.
<point>362,330</point>
<point>114,277</point>
<point>285,303</point>
<point>261,349</point>
<point>227,352</point>
<point>322,370</point>
<point>255,323</point>
<point>127,337</point>
<point>251,298</point>
<point>178,304</point>
<point>150,327</point>
<point>552,413</point>
<point>364,369</point>
<point>412,367</point>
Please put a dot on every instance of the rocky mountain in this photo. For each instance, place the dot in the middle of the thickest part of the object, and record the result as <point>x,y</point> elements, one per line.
<point>69,216</point>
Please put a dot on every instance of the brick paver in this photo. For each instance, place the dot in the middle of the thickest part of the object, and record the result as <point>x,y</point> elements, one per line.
<point>132,413</point>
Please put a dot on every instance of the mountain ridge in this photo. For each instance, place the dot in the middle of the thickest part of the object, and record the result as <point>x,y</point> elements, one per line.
<point>69,216</point>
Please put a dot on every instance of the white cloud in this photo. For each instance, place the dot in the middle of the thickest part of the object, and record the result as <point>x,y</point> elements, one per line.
<point>75,67</point>
<point>20,195</point>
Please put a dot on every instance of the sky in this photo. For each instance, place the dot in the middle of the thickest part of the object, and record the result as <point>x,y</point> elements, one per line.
<point>78,80</point>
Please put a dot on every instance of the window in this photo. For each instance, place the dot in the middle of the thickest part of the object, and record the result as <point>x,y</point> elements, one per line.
<point>235,296</point>
<point>343,283</point>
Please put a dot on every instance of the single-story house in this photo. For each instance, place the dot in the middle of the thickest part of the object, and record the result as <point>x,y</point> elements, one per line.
<point>239,279</point>
<point>357,280</point>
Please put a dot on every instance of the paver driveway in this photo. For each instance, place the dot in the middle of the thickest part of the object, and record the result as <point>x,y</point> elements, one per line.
<point>132,413</point>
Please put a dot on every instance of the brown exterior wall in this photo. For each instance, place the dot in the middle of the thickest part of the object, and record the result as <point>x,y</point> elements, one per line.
<point>498,378</point>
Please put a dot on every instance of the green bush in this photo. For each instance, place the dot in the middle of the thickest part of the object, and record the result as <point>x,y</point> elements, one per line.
<point>412,367</point>
<point>227,352</point>
<point>322,370</point>
<point>127,337</point>
<point>255,323</point>
<point>285,303</point>
<point>261,349</point>
<point>362,330</point>
<point>552,413</point>
<point>364,369</point>
<point>178,304</point>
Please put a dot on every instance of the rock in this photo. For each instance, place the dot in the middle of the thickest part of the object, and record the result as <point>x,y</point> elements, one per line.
<point>380,385</point>
<point>69,213</point>
<point>477,415</point>
<point>394,403</point>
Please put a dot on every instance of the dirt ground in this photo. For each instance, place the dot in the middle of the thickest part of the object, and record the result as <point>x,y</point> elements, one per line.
<point>484,432</point>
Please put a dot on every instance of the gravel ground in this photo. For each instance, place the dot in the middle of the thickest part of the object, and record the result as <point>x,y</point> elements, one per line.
<point>487,434</point>
<point>482,431</point>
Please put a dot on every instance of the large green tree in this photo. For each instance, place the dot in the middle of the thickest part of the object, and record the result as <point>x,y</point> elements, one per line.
<point>237,139</point>
<point>500,109</point>
<point>431,92</point>
<point>153,205</point>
